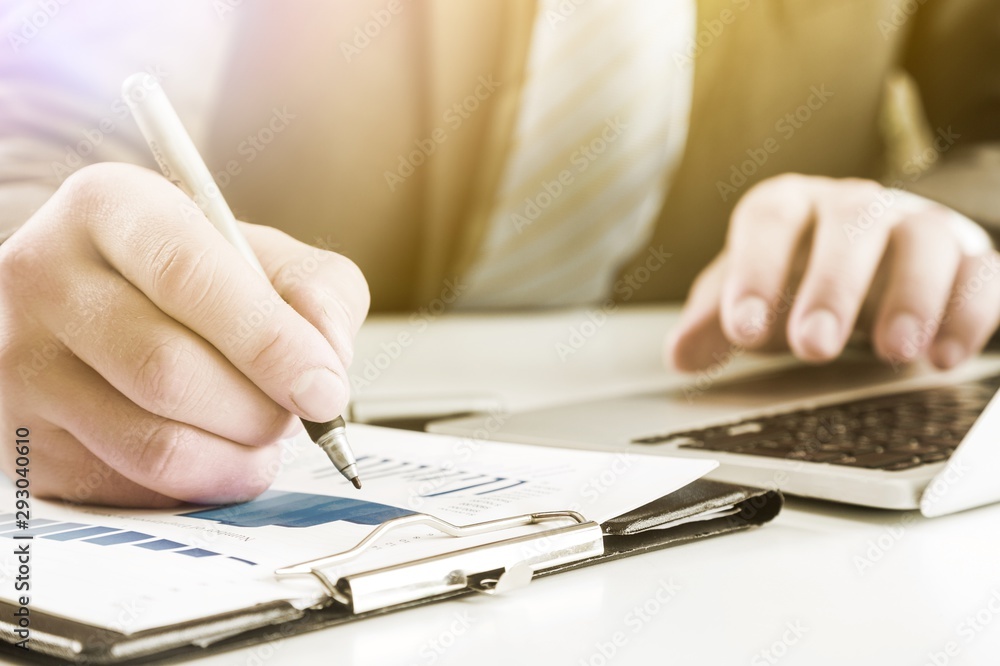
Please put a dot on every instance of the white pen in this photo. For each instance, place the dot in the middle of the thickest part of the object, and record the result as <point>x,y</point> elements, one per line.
<point>181,163</point>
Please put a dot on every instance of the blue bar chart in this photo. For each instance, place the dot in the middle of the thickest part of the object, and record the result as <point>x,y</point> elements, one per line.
<point>102,535</point>
<point>291,509</point>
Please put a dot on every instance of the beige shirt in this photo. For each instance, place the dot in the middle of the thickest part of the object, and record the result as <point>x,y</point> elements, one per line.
<point>303,108</point>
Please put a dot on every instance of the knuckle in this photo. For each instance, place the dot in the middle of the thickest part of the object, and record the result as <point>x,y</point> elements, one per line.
<point>352,293</point>
<point>842,297</point>
<point>88,185</point>
<point>272,236</point>
<point>859,201</point>
<point>847,199</point>
<point>33,272</point>
<point>177,267</point>
<point>95,187</point>
<point>789,181</point>
<point>288,276</point>
<point>20,263</point>
<point>270,351</point>
<point>936,220</point>
<point>160,381</point>
<point>773,201</point>
<point>782,185</point>
<point>92,177</point>
<point>921,229</point>
<point>162,456</point>
<point>864,187</point>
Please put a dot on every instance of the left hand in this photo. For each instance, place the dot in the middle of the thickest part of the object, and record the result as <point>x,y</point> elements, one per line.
<point>914,276</point>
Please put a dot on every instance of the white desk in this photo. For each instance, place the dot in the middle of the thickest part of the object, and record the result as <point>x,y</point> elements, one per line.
<point>822,584</point>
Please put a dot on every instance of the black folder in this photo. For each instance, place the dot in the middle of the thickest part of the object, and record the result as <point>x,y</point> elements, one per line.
<point>701,509</point>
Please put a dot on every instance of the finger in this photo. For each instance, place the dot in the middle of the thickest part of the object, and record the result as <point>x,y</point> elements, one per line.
<point>61,466</point>
<point>698,334</point>
<point>767,229</point>
<point>167,457</point>
<point>839,272</point>
<point>923,259</point>
<point>169,251</point>
<point>973,311</point>
<point>64,469</point>
<point>322,286</point>
<point>154,361</point>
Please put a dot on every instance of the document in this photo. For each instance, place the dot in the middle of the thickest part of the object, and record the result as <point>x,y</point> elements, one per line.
<point>131,570</point>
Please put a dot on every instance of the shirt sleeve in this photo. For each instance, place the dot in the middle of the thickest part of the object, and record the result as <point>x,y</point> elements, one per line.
<point>61,71</point>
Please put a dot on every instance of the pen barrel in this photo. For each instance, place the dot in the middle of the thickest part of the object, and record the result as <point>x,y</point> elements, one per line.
<point>181,163</point>
<point>179,159</point>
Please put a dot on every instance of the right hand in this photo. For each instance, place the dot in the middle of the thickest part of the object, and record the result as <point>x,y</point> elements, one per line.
<point>151,363</point>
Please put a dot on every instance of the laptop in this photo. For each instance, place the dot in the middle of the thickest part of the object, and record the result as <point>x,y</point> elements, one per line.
<point>853,431</point>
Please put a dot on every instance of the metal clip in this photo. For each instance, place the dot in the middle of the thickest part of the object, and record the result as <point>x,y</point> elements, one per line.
<point>492,568</point>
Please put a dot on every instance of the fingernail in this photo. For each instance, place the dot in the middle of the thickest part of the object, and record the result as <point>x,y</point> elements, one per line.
<point>750,315</point>
<point>948,353</point>
<point>316,393</point>
<point>905,337</point>
<point>819,335</point>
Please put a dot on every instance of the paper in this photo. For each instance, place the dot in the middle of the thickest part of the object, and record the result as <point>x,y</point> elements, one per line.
<point>129,570</point>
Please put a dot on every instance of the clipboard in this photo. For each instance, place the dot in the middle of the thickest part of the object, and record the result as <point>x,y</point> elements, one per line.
<point>701,509</point>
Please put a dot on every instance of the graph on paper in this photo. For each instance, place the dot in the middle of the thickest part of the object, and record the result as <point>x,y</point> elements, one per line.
<point>102,535</point>
<point>429,480</point>
<point>290,509</point>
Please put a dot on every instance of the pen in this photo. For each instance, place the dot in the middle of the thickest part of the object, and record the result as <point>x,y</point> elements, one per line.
<point>181,163</point>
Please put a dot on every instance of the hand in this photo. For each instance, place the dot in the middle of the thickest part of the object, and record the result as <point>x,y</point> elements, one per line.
<point>916,277</point>
<point>151,363</point>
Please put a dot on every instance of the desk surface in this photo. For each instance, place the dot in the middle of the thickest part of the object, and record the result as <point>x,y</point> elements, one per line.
<point>822,584</point>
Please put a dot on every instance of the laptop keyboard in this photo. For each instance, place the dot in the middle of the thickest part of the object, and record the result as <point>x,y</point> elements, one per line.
<point>890,432</point>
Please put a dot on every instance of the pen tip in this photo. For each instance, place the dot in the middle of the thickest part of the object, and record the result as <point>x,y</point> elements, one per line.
<point>357,482</point>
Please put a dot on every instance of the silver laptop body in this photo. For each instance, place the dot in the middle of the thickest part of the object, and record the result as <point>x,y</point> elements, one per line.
<point>792,402</point>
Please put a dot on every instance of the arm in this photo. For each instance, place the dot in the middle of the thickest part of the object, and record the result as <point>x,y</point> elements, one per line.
<point>149,359</point>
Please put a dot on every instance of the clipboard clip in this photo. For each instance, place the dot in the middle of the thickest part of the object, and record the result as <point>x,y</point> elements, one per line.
<point>491,568</point>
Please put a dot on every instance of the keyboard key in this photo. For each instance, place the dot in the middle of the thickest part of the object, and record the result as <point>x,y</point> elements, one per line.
<point>892,432</point>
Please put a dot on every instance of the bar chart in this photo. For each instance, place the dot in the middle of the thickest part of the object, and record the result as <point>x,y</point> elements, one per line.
<point>429,480</point>
<point>292,509</point>
<point>102,535</point>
